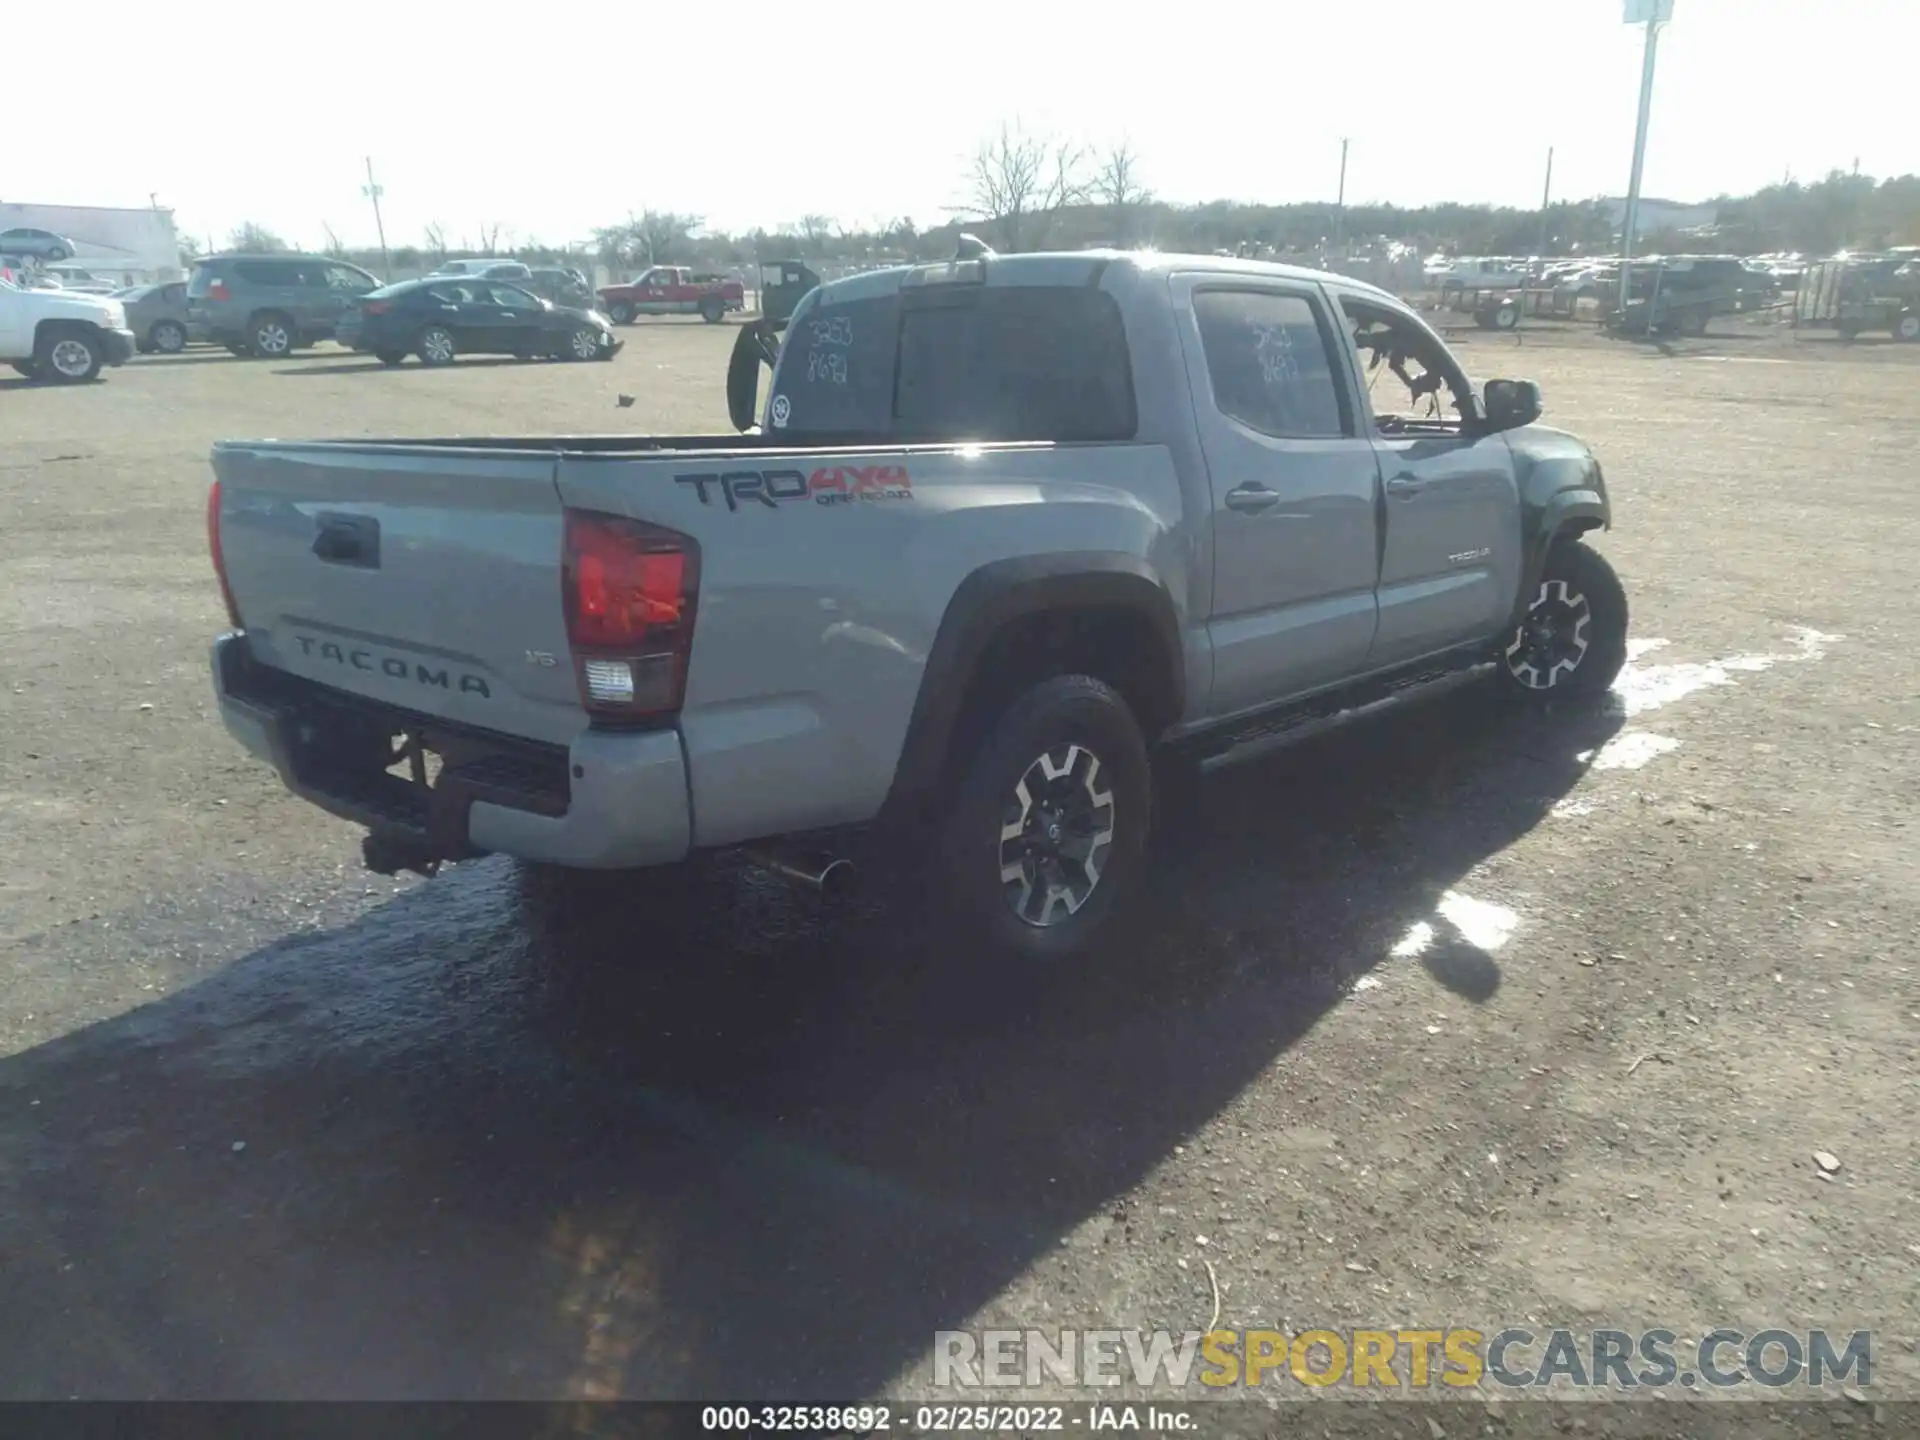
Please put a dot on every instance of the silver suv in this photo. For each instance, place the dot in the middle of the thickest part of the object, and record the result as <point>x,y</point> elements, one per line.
<point>269,305</point>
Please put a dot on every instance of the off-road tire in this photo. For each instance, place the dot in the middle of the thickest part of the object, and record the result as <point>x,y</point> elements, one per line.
<point>1582,606</point>
<point>68,355</point>
<point>1072,719</point>
<point>272,336</point>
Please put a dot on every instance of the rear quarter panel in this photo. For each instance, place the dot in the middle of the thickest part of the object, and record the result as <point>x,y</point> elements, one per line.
<point>817,612</point>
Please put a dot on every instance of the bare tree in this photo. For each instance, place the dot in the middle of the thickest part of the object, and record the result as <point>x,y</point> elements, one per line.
<point>334,246</point>
<point>1116,184</point>
<point>250,235</point>
<point>656,237</point>
<point>816,230</point>
<point>436,237</point>
<point>1019,182</point>
<point>489,237</point>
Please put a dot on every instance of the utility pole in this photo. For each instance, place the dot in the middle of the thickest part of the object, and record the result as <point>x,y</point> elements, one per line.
<point>1650,13</point>
<point>1340,204</point>
<point>372,190</point>
<point>1546,199</point>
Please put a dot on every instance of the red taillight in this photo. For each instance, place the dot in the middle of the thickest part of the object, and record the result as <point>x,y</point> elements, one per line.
<point>629,593</point>
<point>374,307</point>
<point>219,558</point>
<point>218,291</point>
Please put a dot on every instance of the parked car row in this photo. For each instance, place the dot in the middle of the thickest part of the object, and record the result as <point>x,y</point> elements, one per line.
<point>270,305</point>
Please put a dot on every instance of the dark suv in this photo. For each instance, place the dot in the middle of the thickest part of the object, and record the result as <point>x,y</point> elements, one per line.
<point>268,305</point>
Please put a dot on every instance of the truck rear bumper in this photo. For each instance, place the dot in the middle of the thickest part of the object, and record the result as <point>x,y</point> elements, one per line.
<point>610,800</point>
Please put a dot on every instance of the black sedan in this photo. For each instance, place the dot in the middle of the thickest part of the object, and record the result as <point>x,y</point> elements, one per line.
<point>443,317</point>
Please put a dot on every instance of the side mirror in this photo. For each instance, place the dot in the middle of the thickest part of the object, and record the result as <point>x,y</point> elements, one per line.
<point>754,346</point>
<point>1511,403</point>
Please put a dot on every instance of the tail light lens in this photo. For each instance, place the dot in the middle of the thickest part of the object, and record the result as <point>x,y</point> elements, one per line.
<point>218,291</point>
<point>374,307</point>
<point>219,558</point>
<point>630,592</point>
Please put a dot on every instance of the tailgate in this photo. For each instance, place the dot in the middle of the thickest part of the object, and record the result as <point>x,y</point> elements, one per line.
<point>429,579</point>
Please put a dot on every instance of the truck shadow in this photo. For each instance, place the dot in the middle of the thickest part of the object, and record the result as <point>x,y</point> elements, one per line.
<point>705,1139</point>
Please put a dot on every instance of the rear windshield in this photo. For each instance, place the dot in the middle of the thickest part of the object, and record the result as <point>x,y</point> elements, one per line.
<point>995,362</point>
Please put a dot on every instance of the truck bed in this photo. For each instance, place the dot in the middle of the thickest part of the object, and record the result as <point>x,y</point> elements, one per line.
<point>426,576</point>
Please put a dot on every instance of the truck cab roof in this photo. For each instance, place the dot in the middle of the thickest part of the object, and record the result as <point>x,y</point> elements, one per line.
<point>1071,267</point>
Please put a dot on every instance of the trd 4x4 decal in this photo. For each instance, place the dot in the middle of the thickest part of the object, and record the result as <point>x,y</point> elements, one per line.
<point>829,485</point>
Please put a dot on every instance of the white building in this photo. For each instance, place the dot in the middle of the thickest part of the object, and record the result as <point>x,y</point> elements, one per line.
<point>1663,214</point>
<point>124,246</point>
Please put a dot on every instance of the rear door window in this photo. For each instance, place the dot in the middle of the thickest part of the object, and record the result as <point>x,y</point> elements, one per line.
<point>1270,364</point>
<point>281,274</point>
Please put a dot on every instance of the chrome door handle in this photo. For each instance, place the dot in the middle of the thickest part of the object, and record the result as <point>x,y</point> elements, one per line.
<point>1406,483</point>
<point>1251,498</point>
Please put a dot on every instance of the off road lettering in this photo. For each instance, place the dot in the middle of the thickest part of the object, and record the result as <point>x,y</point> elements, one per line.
<point>829,485</point>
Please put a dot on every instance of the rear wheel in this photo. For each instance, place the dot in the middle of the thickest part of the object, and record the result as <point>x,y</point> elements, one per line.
<point>1046,836</point>
<point>234,348</point>
<point>437,346</point>
<point>713,309</point>
<point>1907,326</point>
<point>621,314</point>
<point>168,337</point>
<point>68,355</point>
<point>390,357</point>
<point>1572,641</point>
<point>271,336</point>
<point>1507,315</point>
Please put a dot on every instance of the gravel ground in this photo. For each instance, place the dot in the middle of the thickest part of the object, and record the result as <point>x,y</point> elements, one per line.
<point>1458,1020</point>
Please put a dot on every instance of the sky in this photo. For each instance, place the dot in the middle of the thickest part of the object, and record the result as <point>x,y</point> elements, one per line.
<point>547,124</point>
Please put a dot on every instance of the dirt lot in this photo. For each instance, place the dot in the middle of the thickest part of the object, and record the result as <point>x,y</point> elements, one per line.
<point>1454,1021</point>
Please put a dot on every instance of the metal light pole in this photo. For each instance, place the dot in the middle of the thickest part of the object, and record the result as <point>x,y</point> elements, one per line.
<point>1546,199</point>
<point>1651,13</point>
<point>372,190</point>
<point>1340,204</point>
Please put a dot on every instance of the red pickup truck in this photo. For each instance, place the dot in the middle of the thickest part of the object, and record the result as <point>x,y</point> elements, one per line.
<point>673,290</point>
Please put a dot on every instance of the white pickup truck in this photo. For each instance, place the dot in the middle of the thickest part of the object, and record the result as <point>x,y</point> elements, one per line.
<point>60,336</point>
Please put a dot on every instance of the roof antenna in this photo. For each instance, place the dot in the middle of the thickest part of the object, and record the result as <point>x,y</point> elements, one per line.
<point>972,247</point>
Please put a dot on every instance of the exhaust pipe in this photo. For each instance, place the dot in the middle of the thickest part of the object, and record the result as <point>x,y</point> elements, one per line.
<point>831,875</point>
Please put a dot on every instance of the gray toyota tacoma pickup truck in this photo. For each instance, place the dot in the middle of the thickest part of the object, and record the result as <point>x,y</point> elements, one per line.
<point>1004,531</point>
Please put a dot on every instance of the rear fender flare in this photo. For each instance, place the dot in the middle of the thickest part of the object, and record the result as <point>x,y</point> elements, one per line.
<point>1001,593</point>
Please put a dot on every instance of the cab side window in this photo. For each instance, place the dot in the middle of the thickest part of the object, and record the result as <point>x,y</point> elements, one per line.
<point>1271,365</point>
